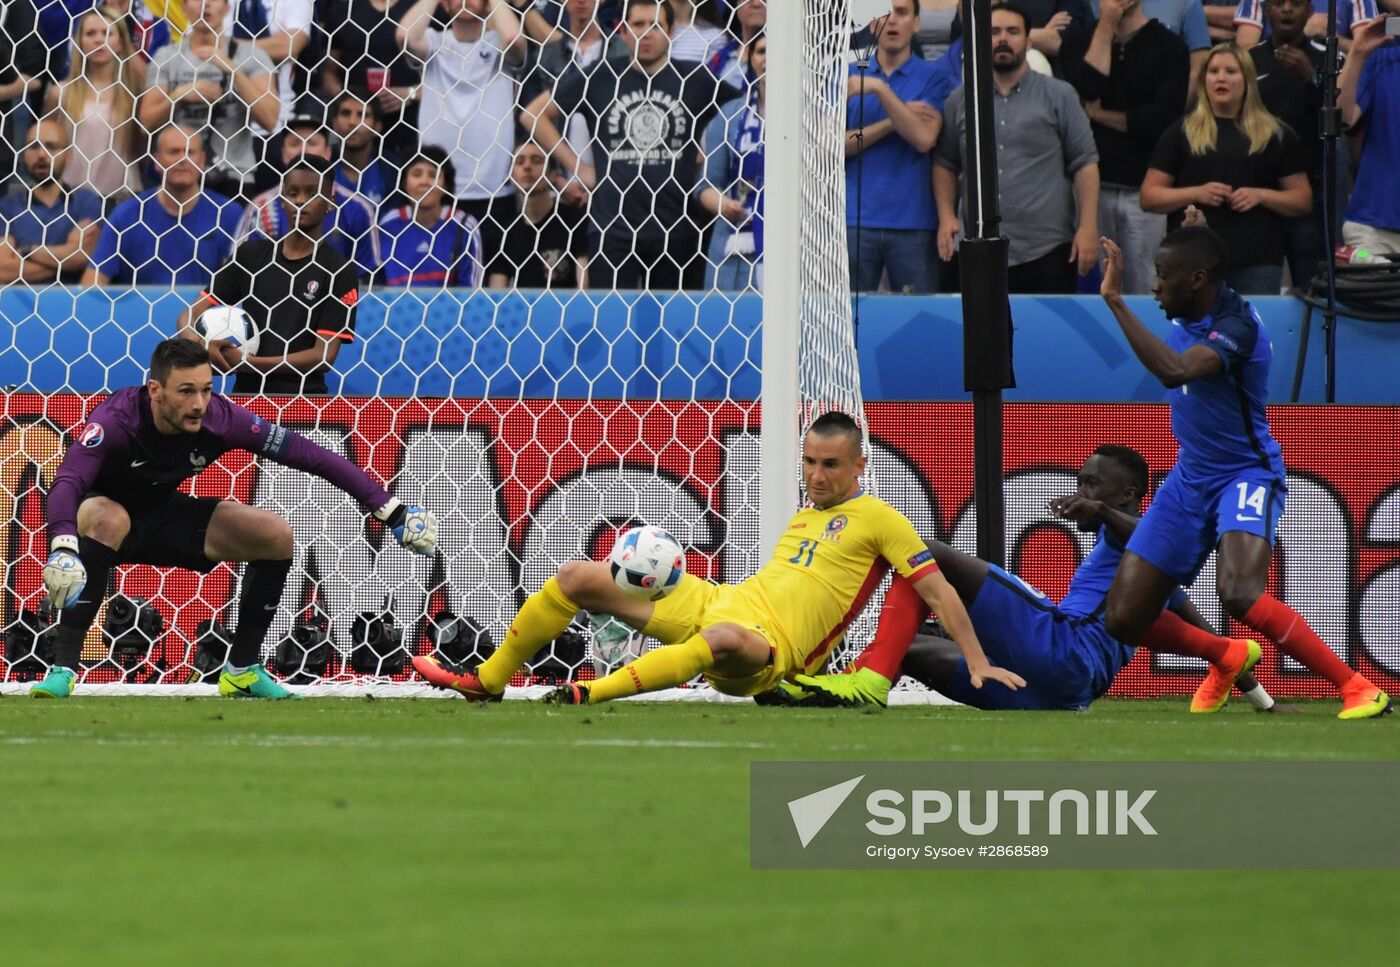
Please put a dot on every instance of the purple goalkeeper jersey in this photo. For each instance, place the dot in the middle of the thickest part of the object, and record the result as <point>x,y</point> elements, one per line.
<point>121,455</point>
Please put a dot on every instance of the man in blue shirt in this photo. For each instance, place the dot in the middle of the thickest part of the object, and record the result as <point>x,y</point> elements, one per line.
<point>172,235</point>
<point>892,123</point>
<point>1368,93</point>
<point>1226,493</point>
<point>47,228</point>
<point>1061,650</point>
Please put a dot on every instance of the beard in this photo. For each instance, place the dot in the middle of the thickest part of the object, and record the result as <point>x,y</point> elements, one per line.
<point>1002,65</point>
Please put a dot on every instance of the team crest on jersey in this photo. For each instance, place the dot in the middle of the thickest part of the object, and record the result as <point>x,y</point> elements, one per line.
<point>198,460</point>
<point>92,435</point>
<point>834,527</point>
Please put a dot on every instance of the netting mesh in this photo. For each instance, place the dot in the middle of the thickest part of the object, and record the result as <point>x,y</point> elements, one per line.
<point>531,299</point>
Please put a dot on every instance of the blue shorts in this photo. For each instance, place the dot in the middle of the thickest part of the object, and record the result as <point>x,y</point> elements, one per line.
<point>1186,519</point>
<point>1067,661</point>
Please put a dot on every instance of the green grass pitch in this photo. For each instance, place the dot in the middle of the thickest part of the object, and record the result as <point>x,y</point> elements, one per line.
<point>166,831</point>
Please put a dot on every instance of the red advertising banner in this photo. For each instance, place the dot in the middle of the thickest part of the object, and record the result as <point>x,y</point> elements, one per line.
<point>523,485</point>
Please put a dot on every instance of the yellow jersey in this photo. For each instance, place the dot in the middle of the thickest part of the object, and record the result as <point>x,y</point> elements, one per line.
<point>828,563</point>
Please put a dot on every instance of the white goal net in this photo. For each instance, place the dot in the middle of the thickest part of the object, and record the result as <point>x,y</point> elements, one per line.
<point>544,260</point>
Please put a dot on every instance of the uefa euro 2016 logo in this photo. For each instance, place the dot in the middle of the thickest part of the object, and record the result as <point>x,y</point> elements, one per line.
<point>834,527</point>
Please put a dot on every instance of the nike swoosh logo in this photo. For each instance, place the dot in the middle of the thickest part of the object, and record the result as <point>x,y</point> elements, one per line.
<point>1237,517</point>
<point>1261,77</point>
<point>139,463</point>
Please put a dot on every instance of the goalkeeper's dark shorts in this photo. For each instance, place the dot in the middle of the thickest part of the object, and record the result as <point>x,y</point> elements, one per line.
<point>170,534</point>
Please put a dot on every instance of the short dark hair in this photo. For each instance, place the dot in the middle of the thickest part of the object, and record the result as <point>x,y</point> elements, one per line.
<point>1130,460</point>
<point>1015,8</point>
<point>1203,247</point>
<point>176,353</point>
<point>310,162</point>
<point>433,155</point>
<point>836,423</point>
<point>360,94</point>
<point>663,6</point>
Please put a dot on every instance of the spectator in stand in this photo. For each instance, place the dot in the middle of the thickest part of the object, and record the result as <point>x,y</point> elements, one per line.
<point>428,239</point>
<point>98,100</point>
<point>646,117</point>
<point>579,44</point>
<point>281,29</point>
<point>362,171</point>
<point>1251,20</point>
<point>22,63</point>
<point>1129,72</point>
<point>731,187</point>
<point>300,294</point>
<point>1186,19</point>
<point>1369,97</point>
<point>546,246</point>
<point>1289,68</point>
<point>892,123</point>
<point>1045,148</point>
<point>175,234</point>
<point>693,37</point>
<point>1239,164</point>
<point>1049,19</point>
<point>152,24</point>
<point>729,60</point>
<point>468,100</point>
<point>218,86</point>
<point>350,227</point>
<point>48,229</point>
<point>364,54</point>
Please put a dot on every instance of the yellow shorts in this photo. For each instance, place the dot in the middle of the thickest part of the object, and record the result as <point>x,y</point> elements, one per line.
<point>696,605</point>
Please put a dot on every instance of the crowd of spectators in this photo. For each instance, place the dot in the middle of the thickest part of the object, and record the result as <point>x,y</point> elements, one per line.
<point>620,143</point>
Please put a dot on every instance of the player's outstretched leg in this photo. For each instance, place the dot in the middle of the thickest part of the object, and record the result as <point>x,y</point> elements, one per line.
<point>240,533</point>
<point>1243,568</point>
<point>579,585</point>
<point>726,650</point>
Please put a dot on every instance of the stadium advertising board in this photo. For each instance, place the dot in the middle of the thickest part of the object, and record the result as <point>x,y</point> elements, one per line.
<point>523,485</point>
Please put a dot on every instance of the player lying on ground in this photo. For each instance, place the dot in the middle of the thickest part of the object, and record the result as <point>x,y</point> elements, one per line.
<point>747,637</point>
<point>115,501</point>
<point>1062,650</point>
<point>1226,492</point>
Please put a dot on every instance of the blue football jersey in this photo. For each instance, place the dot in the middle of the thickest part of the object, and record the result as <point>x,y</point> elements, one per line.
<point>1220,421</point>
<point>1088,588</point>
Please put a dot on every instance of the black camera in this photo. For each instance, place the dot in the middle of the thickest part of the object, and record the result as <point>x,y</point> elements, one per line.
<point>460,640</point>
<point>132,628</point>
<point>376,642</point>
<point>305,654</point>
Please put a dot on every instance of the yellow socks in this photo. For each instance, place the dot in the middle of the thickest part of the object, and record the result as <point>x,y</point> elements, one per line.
<point>542,618</point>
<point>658,668</point>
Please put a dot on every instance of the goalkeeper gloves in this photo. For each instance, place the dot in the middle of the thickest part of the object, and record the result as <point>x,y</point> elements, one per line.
<point>413,527</point>
<point>64,574</point>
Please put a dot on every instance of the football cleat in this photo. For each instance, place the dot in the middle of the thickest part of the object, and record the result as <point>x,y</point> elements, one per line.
<point>786,693</point>
<point>1214,692</point>
<point>570,693</point>
<point>464,683</point>
<point>1364,702</point>
<point>256,682</point>
<point>858,688</point>
<point>58,683</point>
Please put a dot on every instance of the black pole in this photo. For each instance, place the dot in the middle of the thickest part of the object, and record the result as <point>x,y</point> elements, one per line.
<point>982,257</point>
<point>1330,127</point>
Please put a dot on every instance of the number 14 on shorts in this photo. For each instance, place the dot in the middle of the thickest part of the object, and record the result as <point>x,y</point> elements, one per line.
<point>1252,497</point>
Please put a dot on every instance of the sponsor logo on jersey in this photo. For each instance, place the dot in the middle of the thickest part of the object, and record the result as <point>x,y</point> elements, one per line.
<point>351,298</point>
<point>92,435</point>
<point>799,525</point>
<point>1224,340</point>
<point>921,558</point>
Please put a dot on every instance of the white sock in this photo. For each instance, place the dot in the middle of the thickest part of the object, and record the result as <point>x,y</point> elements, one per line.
<point>1261,699</point>
<point>236,669</point>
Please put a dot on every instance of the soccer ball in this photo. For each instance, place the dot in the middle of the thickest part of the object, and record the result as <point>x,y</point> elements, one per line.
<point>231,323</point>
<point>647,562</point>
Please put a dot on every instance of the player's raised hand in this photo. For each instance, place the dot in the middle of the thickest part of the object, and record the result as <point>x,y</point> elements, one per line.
<point>1112,285</point>
<point>64,576</point>
<point>1080,510</point>
<point>991,673</point>
<point>414,527</point>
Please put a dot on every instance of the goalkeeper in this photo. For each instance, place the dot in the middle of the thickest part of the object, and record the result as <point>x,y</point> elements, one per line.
<point>747,637</point>
<point>115,501</point>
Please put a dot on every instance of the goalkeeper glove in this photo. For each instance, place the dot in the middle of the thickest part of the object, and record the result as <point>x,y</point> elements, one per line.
<point>413,527</point>
<point>64,574</point>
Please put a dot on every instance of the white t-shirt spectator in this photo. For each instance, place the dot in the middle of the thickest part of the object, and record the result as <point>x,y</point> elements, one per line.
<point>468,110</point>
<point>281,17</point>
